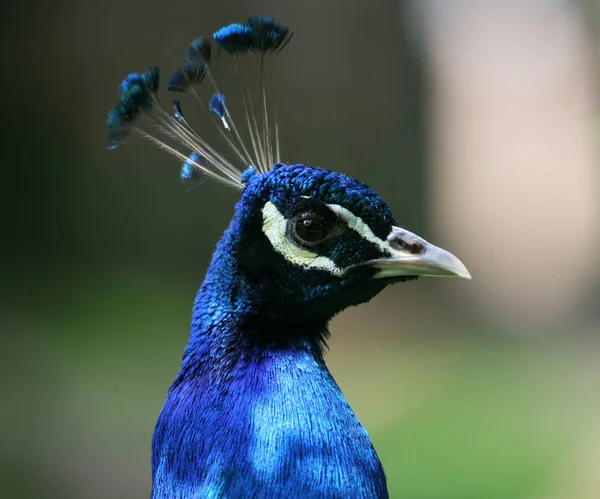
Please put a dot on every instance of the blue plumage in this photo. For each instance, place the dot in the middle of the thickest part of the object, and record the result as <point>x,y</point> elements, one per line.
<point>129,81</point>
<point>191,168</point>
<point>199,51</point>
<point>234,38</point>
<point>254,411</point>
<point>184,78</point>
<point>217,105</point>
<point>268,34</point>
<point>247,174</point>
<point>177,112</point>
<point>151,78</point>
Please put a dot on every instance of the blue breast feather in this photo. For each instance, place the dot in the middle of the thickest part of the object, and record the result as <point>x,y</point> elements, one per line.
<point>254,411</point>
<point>276,426</point>
<point>245,419</point>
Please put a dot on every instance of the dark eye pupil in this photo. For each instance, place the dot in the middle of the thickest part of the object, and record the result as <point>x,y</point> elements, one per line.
<point>311,230</point>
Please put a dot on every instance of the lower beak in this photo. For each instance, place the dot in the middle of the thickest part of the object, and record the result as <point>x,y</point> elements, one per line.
<point>414,256</point>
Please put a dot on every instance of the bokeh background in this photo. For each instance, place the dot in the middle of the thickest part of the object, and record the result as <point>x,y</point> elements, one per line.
<point>476,120</point>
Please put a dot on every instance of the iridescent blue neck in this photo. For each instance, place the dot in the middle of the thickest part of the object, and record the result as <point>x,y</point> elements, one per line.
<point>254,411</point>
<point>231,322</point>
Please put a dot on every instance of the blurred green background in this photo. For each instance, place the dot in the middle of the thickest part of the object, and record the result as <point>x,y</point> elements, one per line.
<point>475,120</point>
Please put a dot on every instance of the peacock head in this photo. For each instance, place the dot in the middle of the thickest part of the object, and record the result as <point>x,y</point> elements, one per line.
<point>312,242</point>
<point>308,242</point>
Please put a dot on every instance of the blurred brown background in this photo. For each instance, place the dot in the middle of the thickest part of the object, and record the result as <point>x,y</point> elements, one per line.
<point>476,120</point>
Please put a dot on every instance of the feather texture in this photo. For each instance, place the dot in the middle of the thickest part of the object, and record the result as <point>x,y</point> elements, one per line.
<point>254,412</point>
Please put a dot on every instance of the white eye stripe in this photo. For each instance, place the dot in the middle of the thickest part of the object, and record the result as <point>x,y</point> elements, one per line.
<point>357,224</point>
<point>275,228</point>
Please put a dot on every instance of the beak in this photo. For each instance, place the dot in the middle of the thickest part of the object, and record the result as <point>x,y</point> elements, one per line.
<point>413,256</point>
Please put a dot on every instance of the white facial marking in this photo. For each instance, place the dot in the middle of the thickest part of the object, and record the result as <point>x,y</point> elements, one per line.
<point>275,225</point>
<point>357,224</point>
<point>395,261</point>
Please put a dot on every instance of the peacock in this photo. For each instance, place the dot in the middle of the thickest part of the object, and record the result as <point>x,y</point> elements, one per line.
<point>254,411</point>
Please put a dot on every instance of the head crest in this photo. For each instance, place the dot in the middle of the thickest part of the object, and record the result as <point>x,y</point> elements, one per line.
<point>255,148</point>
<point>199,51</point>
<point>248,173</point>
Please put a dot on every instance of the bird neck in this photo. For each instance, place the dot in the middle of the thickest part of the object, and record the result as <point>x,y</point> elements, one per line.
<point>233,319</point>
<point>254,405</point>
<point>274,424</point>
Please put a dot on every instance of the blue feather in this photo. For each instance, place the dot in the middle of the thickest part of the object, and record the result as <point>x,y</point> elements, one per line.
<point>182,79</point>
<point>135,95</point>
<point>177,112</point>
<point>199,51</point>
<point>269,34</point>
<point>248,173</point>
<point>217,105</point>
<point>129,81</point>
<point>235,38</point>
<point>254,412</point>
<point>151,79</point>
<point>191,168</point>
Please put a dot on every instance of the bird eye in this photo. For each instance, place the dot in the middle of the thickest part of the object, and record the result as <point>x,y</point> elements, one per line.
<point>309,229</point>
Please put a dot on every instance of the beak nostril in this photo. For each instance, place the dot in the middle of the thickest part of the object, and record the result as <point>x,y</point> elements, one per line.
<point>414,248</point>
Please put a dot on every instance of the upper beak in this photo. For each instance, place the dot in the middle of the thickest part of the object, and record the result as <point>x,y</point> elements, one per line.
<point>413,256</point>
